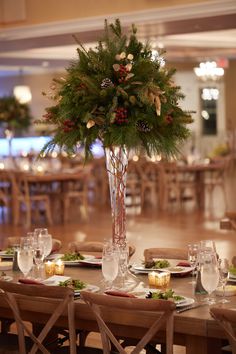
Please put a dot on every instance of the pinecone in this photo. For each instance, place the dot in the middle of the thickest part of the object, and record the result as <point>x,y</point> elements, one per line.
<point>142,126</point>
<point>106,83</point>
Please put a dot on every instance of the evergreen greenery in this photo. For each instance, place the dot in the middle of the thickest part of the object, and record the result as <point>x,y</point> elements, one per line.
<point>14,115</point>
<point>117,93</point>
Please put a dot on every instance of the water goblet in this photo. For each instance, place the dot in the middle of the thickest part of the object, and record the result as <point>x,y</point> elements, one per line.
<point>224,274</point>
<point>46,240</point>
<point>209,274</point>
<point>38,253</point>
<point>25,260</point>
<point>110,264</point>
<point>193,250</point>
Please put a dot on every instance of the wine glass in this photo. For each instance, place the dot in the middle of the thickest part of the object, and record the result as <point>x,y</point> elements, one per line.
<point>25,260</point>
<point>208,245</point>
<point>46,240</point>
<point>224,274</point>
<point>38,254</point>
<point>193,250</point>
<point>209,273</point>
<point>110,266</point>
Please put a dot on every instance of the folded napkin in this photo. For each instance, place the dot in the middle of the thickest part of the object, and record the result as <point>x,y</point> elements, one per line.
<point>29,281</point>
<point>184,264</point>
<point>119,293</point>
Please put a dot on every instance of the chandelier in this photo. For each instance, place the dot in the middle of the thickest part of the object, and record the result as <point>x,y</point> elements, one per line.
<point>209,71</point>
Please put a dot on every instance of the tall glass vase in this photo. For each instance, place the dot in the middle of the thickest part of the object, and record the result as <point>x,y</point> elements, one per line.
<point>116,165</point>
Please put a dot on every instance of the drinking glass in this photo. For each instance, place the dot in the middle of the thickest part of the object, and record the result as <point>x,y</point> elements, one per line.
<point>38,254</point>
<point>193,250</point>
<point>46,240</point>
<point>123,254</point>
<point>25,260</point>
<point>209,273</point>
<point>224,274</point>
<point>110,264</point>
<point>208,245</point>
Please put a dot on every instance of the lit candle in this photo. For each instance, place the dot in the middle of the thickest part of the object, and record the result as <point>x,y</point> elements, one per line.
<point>162,280</point>
<point>152,278</point>
<point>50,268</point>
<point>59,267</point>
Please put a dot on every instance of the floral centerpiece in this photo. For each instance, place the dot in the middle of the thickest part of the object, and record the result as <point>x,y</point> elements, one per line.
<point>121,95</point>
<point>14,115</point>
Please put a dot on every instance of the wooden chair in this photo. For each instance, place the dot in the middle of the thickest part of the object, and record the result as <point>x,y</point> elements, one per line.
<point>92,246</point>
<point>165,253</point>
<point>6,194</point>
<point>103,306</point>
<point>74,195</point>
<point>151,184</point>
<point>12,241</point>
<point>229,221</point>
<point>31,198</point>
<point>18,297</point>
<point>171,186</point>
<point>226,318</point>
<point>216,179</point>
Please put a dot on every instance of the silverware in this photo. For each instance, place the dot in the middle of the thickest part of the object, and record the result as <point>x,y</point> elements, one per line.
<point>190,307</point>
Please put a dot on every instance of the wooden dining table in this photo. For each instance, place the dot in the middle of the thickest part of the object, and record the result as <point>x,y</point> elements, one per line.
<point>195,329</point>
<point>199,172</point>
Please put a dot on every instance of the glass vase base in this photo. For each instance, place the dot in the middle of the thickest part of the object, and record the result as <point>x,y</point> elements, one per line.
<point>128,282</point>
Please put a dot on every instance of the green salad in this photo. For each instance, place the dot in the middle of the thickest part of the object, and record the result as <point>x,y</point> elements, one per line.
<point>164,295</point>
<point>72,257</point>
<point>73,284</point>
<point>9,250</point>
<point>232,270</point>
<point>161,263</point>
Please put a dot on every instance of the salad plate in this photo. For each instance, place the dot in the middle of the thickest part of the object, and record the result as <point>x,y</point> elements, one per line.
<point>180,300</point>
<point>172,269</point>
<point>5,254</point>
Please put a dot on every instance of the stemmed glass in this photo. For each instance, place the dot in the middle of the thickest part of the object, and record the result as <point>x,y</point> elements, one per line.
<point>38,252</point>
<point>25,260</point>
<point>193,250</point>
<point>123,254</point>
<point>45,238</point>
<point>209,273</point>
<point>110,259</point>
<point>224,274</point>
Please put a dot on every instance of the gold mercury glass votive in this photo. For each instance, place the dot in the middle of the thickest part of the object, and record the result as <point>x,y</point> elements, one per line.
<point>49,268</point>
<point>159,280</point>
<point>59,267</point>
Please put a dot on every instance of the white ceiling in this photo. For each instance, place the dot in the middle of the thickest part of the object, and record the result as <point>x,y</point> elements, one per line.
<point>192,35</point>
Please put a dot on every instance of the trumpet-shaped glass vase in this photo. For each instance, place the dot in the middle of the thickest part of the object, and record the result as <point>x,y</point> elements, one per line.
<point>117,165</point>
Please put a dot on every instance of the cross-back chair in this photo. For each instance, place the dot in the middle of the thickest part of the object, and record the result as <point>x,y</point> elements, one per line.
<point>103,306</point>
<point>92,246</point>
<point>18,298</point>
<point>226,318</point>
<point>162,253</point>
<point>14,240</point>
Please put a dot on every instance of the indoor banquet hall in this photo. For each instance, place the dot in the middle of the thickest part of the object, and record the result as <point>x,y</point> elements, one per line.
<point>117,177</point>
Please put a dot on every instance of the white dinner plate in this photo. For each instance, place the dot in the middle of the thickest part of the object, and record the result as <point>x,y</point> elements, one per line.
<point>141,293</point>
<point>87,258</point>
<point>232,278</point>
<point>173,269</point>
<point>89,287</point>
<point>3,254</point>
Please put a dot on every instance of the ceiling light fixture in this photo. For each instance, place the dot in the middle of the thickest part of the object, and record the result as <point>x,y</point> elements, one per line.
<point>22,93</point>
<point>209,71</point>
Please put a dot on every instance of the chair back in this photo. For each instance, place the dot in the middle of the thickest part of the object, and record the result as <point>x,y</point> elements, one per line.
<point>19,297</point>
<point>103,305</point>
<point>92,246</point>
<point>226,318</point>
<point>162,253</point>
